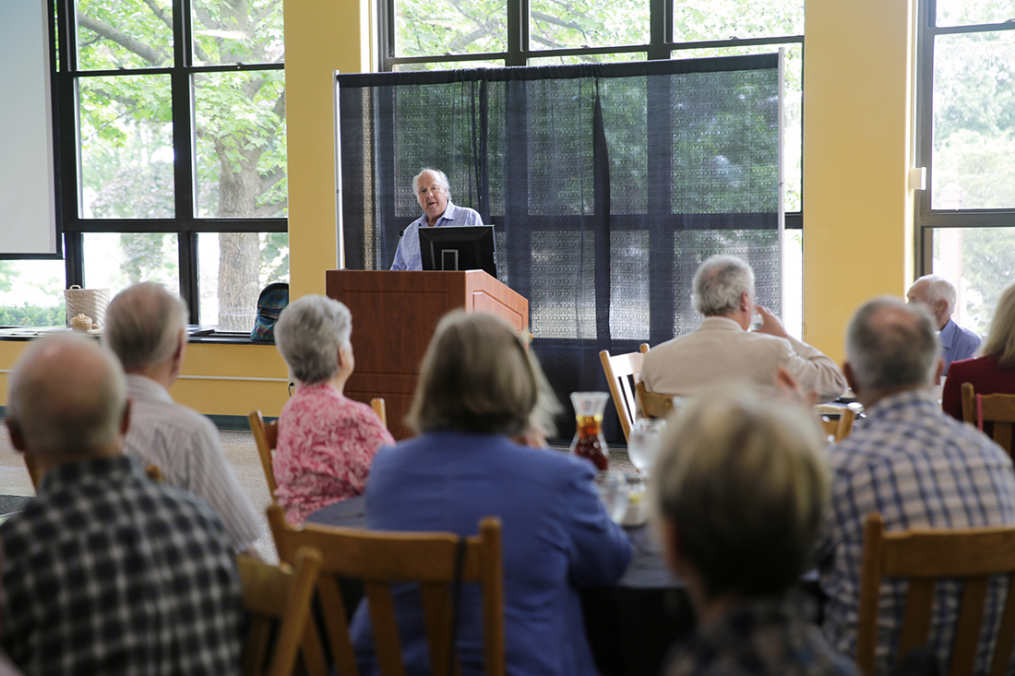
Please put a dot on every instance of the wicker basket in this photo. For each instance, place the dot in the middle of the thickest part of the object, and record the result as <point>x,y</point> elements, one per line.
<point>90,302</point>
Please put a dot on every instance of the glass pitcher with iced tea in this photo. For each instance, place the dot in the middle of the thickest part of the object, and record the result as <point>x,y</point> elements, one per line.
<point>588,439</point>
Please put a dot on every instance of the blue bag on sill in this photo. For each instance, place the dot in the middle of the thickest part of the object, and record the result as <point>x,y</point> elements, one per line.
<point>270,304</point>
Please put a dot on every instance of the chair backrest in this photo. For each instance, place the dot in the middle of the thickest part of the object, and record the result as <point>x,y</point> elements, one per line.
<point>836,427</point>
<point>623,372</point>
<point>377,403</point>
<point>380,558</point>
<point>281,595</point>
<point>653,404</point>
<point>924,556</point>
<point>266,438</point>
<point>998,409</point>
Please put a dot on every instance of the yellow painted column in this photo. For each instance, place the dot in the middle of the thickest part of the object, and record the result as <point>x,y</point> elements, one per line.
<point>321,36</point>
<point>858,211</point>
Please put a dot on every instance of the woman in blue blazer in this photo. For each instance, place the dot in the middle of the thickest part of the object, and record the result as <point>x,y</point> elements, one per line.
<point>478,388</point>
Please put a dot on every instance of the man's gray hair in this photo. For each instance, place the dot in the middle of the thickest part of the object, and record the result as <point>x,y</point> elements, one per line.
<point>744,481</point>
<point>719,283</point>
<point>66,396</point>
<point>890,345</point>
<point>309,333</point>
<point>143,325</point>
<point>939,288</point>
<point>442,180</point>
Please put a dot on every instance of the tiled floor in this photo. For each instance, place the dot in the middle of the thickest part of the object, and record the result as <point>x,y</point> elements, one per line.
<point>241,454</point>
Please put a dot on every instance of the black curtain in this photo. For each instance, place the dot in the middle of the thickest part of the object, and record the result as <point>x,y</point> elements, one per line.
<point>607,184</point>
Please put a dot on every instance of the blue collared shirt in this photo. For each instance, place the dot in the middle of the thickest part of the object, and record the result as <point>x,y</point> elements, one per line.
<point>407,256</point>
<point>919,468</point>
<point>957,343</point>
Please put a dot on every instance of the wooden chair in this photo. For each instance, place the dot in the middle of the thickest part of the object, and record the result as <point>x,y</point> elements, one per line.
<point>623,372</point>
<point>998,409</point>
<point>378,559</point>
<point>377,403</point>
<point>653,404</point>
<point>266,438</point>
<point>281,595</point>
<point>924,556</point>
<point>838,428</point>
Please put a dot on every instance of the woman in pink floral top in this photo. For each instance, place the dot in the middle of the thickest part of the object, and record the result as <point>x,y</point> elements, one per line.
<point>325,441</point>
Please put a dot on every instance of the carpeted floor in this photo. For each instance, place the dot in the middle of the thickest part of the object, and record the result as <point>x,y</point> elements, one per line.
<point>241,454</point>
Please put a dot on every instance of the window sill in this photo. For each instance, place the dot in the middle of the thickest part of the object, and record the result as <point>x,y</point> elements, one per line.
<point>206,336</point>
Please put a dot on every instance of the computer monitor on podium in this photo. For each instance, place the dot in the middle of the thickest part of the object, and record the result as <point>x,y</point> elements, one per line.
<point>456,247</point>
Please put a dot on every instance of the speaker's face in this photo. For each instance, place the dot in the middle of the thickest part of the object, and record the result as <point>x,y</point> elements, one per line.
<point>432,196</point>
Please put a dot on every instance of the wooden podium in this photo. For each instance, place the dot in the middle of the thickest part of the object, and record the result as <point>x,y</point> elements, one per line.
<point>394,314</point>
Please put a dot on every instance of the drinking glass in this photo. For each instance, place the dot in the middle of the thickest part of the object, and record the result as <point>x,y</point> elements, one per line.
<point>612,487</point>
<point>643,445</point>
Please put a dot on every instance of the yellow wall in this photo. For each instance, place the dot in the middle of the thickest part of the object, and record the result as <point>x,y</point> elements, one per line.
<point>215,379</point>
<point>858,212</point>
<point>321,36</point>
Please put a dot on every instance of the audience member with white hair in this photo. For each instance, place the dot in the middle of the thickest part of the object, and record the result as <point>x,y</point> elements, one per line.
<point>917,466</point>
<point>723,350</point>
<point>993,372</point>
<point>478,388</point>
<point>326,441</point>
<point>938,295</point>
<point>146,329</point>
<point>739,492</point>
<point>106,571</point>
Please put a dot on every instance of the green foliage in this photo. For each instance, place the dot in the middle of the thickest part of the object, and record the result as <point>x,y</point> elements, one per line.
<point>126,126</point>
<point>33,315</point>
<point>274,257</point>
<point>148,256</point>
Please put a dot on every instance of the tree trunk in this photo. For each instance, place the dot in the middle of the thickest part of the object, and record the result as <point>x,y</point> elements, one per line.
<point>239,252</point>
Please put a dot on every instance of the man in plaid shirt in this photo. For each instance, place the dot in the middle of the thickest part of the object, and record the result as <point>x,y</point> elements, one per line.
<point>106,572</point>
<point>916,466</point>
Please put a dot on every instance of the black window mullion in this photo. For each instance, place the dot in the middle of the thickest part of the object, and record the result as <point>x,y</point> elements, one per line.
<point>183,149</point>
<point>73,258</point>
<point>660,29</point>
<point>518,32</point>
<point>189,266</point>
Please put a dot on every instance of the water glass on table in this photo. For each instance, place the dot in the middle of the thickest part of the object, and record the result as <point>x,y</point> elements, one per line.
<point>612,488</point>
<point>643,444</point>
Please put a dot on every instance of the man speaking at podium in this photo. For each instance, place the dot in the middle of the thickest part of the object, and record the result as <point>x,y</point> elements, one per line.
<point>434,195</point>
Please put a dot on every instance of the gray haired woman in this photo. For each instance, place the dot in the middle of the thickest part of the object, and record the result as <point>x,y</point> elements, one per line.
<point>326,442</point>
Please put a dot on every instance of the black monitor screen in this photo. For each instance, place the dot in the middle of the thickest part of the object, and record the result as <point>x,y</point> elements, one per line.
<point>456,247</point>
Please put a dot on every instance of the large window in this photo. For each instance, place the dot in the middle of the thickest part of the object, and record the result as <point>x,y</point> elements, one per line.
<point>172,154</point>
<point>418,35</point>
<point>967,142</point>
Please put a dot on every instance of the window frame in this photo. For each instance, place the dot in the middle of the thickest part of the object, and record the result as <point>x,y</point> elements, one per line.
<point>928,219</point>
<point>185,224</point>
<point>661,46</point>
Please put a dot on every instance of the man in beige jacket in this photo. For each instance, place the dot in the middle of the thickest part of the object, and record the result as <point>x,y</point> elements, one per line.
<point>722,349</point>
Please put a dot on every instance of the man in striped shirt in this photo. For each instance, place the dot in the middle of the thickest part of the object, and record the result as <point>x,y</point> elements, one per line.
<point>917,466</point>
<point>146,329</point>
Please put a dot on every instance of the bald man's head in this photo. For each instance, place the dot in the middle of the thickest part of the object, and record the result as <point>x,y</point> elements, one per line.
<point>66,397</point>
<point>143,326</point>
<point>892,345</point>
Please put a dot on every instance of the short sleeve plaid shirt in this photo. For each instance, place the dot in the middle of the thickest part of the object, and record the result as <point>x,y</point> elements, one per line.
<point>106,572</point>
<point>920,469</point>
